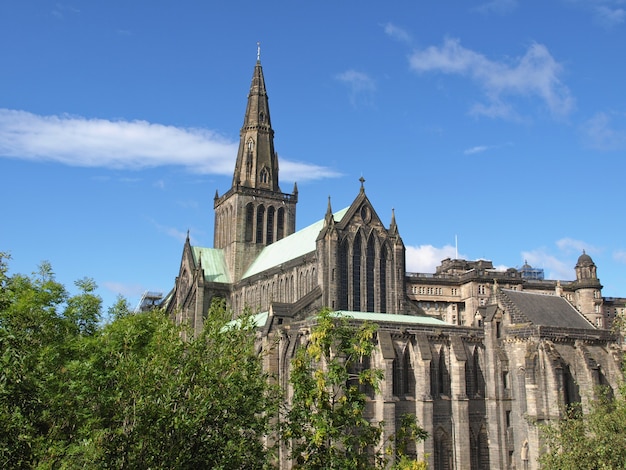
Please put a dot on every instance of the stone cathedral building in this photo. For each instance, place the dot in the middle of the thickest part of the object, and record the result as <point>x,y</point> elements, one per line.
<point>481,357</point>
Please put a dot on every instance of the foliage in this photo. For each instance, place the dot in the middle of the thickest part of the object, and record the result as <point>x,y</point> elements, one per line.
<point>35,343</point>
<point>326,426</point>
<point>138,392</point>
<point>596,440</point>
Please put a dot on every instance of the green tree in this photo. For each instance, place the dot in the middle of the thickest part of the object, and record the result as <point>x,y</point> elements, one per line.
<point>149,396</point>
<point>136,392</point>
<point>39,326</point>
<point>593,441</point>
<point>325,426</point>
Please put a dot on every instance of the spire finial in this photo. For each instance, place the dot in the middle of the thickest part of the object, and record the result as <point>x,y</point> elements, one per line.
<point>258,51</point>
<point>362,180</point>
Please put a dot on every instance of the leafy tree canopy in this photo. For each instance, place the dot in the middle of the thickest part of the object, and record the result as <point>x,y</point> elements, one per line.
<point>593,441</point>
<point>137,392</point>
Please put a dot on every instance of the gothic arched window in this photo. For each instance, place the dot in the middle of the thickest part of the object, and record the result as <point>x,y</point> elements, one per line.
<point>249,222</point>
<point>260,216</point>
<point>280,224</point>
<point>369,274</point>
<point>356,273</point>
<point>343,276</point>
<point>384,256</point>
<point>264,176</point>
<point>270,226</point>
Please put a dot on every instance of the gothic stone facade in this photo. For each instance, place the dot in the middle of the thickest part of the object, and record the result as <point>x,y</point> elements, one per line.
<point>481,357</point>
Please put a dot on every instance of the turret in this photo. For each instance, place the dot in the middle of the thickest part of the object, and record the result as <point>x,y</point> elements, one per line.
<point>588,291</point>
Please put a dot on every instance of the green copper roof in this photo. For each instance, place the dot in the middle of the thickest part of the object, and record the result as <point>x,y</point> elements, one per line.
<point>295,245</point>
<point>261,318</point>
<point>390,318</point>
<point>213,263</point>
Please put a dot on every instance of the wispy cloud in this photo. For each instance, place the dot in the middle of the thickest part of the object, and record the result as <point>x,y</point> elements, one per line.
<point>397,33</point>
<point>553,266</point>
<point>476,149</point>
<point>559,263</point>
<point>605,13</point>
<point>83,142</point>
<point>535,74</point>
<point>61,9</point>
<point>606,131</point>
<point>500,7</point>
<point>426,258</point>
<point>361,85</point>
<point>571,245</point>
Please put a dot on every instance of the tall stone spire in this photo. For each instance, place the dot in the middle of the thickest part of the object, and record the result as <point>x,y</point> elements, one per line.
<point>254,212</point>
<point>257,162</point>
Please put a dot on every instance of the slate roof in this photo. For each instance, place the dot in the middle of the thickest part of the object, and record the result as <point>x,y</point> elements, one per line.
<point>546,310</point>
<point>213,263</point>
<point>291,247</point>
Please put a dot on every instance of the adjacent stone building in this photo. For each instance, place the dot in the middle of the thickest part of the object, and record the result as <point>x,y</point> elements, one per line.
<point>482,357</point>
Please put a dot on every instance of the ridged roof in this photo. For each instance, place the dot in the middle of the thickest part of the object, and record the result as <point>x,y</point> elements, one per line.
<point>547,310</point>
<point>213,263</point>
<point>295,245</point>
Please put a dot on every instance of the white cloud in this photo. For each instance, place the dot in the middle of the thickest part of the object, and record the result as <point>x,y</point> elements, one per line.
<point>299,171</point>
<point>535,74</point>
<point>559,264</point>
<point>605,13</point>
<point>609,15</point>
<point>101,143</point>
<point>497,6</point>
<point>361,85</point>
<point>476,149</point>
<point>570,245</point>
<point>60,9</point>
<point>604,133</point>
<point>554,268</point>
<point>426,258</point>
<point>397,33</point>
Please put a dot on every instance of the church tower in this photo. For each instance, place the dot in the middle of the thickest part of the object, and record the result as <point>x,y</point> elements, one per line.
<point>589,291</point>
<point>254,212</point>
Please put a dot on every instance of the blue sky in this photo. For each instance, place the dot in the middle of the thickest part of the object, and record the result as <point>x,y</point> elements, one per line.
<point>501,124</point>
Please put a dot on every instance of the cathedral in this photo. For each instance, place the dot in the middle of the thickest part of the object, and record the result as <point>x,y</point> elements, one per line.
<point>481,356</point>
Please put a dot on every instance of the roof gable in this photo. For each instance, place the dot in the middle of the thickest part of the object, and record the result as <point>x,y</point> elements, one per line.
<point>213,263</point>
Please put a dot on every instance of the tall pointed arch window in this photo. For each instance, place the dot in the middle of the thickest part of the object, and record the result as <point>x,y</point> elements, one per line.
<point>443,386</point>
<point>384,255</point>
<point>343,276</point>
<point>280,223</point>
<point>260,216</point>
<point>443,450</point>
<point>369,273</point>
<point>249,222</point>
<point>356,273</point>
<point>270,226</point>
